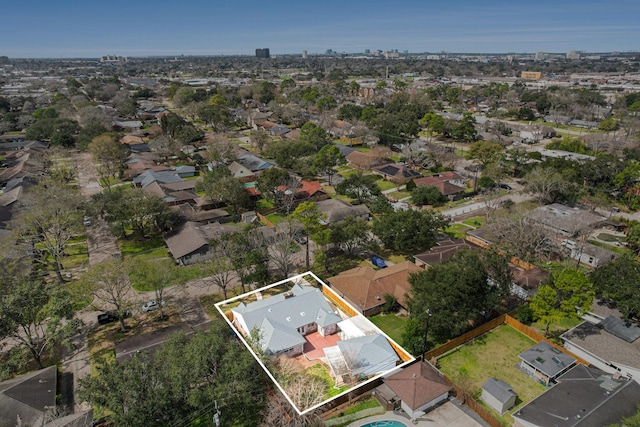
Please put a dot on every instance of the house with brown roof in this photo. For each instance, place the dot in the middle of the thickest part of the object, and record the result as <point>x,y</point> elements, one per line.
<point>336,210</point>
<point>366,161</point>
<point>444,250</point>
<point>415,389</point>
<point>450,184</point>
<point>395,172</point>
<point>187,244</point>
<point>365,288</point>
<point>241,172</point>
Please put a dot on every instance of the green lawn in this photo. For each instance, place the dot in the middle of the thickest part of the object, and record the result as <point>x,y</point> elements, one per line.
<point>322,371</point>
<point>391,325</point>
<point>475,221</point>
<point>385,185</point>
<point>149,248</point>
<point>457,230</point>
<point>399,195</point>
<point>494,354</point>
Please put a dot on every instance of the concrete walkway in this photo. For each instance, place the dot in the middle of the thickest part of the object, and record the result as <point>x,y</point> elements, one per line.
<point>445,415</point>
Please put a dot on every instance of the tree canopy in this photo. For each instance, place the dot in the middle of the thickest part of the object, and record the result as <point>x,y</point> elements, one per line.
<point>409,231</point>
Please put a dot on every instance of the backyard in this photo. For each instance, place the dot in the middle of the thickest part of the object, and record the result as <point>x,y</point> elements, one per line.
<point>391,325</point>
<point>494,354</point>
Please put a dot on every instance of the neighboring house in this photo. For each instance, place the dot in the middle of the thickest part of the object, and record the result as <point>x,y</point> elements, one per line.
<point>416,389</point>
<point>612,345</point>
<point>394,172</point>
<point>336,210</point>
<point>185,171</point>
<point>360,357</point>
<point>443,251</point>
<point>498,395</point>
<point>533,134</point>
<point>545,363</point>
<point>127,125</point>
<point>583,397</point>
<point>365,288</point>
<point>170,196</point>
<point>254,163</point>
<point>202,216</point>
<point>526,281</point>
<point>565,220</point>
<point>283,320</point>
<point>450,184</point>
<point>591,255</point>
<point>23,145</point>
<point>311,191</point>
<point>242,173</point>
<point>137,166</point>
<point>149,176</point>
<point>187,244</point>
<point>30,400</point>
<point>8,198</point>
<point>279,130</point>
<point>366,161</point>
<point>255,118</point>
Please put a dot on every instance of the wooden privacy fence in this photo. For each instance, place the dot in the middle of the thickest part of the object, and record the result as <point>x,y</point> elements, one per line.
<point>458,341</point>
<point>465,398</point>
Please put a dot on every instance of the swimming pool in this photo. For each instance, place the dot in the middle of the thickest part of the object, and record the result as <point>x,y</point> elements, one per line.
<point>385,423</point>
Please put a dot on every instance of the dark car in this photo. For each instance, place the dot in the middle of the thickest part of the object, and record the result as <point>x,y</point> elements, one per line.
<point>378,262</point>
<point>300,239</point>
<point>110,317</point>
<point>505,186</point>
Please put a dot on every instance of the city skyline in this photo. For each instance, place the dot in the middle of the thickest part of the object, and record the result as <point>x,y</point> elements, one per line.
<point>70,28</point>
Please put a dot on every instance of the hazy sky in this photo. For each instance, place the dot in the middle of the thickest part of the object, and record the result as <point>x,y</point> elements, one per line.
<point>91,28</point>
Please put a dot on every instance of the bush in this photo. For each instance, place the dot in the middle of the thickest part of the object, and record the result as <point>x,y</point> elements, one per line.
<point>524,314</point>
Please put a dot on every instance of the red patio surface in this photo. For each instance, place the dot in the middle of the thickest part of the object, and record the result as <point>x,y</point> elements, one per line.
<point>315,344</point>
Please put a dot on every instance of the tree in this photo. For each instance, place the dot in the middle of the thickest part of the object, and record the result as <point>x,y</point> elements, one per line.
<point>433,122</point>
<point>608,125</point>
<point>282,254</point>
<point>360,187</point>
<point>259,138</point>
<point>109,154</point>
<point>307,214</point>
<point>350,235</point>
<point>222,266</point>
<point>428,195</point>
<point>450,296</point>
<point>36,316</point>
<point>569,294</point>
<point>326,160</point>
<point>548,185</point>
<point>181,382</point>
<point>484,152</point>
<point>326,103</point>
<point>109,284</point>
<point>410,230</point>
<point>618,282</point>
<point>165,146</point>
<point>464,130</point>
<point>314,135</point>
<point>156,274</point>
<point>50,219</point>
<point>223,188</point>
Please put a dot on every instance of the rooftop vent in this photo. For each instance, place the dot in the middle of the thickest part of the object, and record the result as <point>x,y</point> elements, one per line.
<point>288,295</point>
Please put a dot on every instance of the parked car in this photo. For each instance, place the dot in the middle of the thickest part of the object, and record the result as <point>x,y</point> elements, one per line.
<point>111,316</point>
<point>151,306</point>
<point>378,262</point>
<point>86,221</point>
<point>300,239</point>
<point>505,186</point>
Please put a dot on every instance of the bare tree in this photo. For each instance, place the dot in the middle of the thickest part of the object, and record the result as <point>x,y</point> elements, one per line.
<point>223,270</point>
<point>110,285</point>
<point>282,254</point>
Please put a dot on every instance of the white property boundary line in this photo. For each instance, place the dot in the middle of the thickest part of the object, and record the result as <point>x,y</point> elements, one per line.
<point>295,279</point>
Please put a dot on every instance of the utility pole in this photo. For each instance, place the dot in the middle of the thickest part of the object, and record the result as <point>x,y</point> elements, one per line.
<point>426,331</point>
<point>216,415</point>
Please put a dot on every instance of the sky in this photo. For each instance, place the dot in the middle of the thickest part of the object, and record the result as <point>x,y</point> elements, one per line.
<point>91,28</point>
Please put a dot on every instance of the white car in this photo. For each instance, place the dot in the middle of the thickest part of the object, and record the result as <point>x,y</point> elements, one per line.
<point>151,306</point>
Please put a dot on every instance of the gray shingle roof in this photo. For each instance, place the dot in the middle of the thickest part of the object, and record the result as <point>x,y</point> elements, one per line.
<point>499,389</point>
<point>367,353</point>
<point>278,317</point>
<point>547,359</point>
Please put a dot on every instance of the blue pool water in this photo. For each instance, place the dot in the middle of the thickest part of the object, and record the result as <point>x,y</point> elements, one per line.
<point>385,423</point>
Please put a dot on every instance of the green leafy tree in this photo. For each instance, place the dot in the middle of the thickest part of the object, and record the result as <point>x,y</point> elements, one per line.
<point>618,281</point>
<point>449,296</point>
<point>36,316</point>
<point>351,234</point>
<point>223,188</point>
<point>307,214</point>
<point>326,160</point>
<point>428,195</point>
<point>360,187</point>
<point>181,382</point>
<point>313,135</point>
<point>410,230</point>
<point>110,155</point>
<point>484,152</point>
<point>609,124</point>
<point>433,122</point>
<point>569,294</point>
<point>464,130</point>
<point>326,103</point>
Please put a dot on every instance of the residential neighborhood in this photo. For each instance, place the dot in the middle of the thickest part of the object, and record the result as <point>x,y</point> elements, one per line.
<point>424,240</point>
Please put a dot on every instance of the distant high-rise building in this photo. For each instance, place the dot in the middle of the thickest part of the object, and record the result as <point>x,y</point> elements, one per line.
<point>262,53</point>
<point>540,56</point>
<point>304,54</point>
<point>574,54</point>
<point>367,51</point>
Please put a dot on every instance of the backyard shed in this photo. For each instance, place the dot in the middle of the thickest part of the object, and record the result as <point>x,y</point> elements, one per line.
<point>498,395</point>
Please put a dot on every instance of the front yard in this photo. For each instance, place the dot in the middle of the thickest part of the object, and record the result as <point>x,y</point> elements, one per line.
<point>494,354</point>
